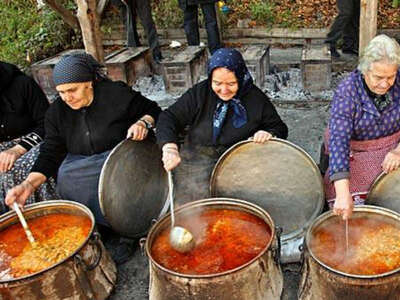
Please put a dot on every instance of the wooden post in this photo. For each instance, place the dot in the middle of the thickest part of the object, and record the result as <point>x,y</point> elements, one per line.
<point>368,22</point>
<point>89,21</point>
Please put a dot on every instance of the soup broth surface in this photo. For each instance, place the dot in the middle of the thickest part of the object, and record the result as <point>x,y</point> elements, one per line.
<point>373,245</point>
<point>57,236</point>
<point>225,239</point>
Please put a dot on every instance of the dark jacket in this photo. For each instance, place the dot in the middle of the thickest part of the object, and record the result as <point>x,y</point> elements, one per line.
<point>22,107</point>
<point>93,129</point>
<point>196,109</point>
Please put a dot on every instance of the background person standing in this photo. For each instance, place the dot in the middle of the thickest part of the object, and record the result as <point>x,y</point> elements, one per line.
<point>346,25</point>
<point>191,23</point>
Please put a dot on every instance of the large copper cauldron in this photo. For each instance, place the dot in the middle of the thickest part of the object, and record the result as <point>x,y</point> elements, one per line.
<point>322,281</point>
<point>88,273</point>
<point>259,278</point>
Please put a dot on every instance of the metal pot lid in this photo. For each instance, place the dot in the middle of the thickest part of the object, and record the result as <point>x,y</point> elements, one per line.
<point>278,176</point>
<point>133,187</point>
<point>385,191</point>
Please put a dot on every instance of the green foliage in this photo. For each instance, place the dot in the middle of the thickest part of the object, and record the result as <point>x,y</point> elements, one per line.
<point>262,11</point>
<point>167,13</point>
<point>27,30</point>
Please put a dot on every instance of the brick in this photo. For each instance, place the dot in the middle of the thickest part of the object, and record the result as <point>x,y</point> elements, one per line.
<point>257,61</point>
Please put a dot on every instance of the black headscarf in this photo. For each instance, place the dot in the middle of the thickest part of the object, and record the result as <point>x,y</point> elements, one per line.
<point>79,67</point>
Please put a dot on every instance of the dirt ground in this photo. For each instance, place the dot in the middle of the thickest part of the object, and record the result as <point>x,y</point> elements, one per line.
<point>306,116</point>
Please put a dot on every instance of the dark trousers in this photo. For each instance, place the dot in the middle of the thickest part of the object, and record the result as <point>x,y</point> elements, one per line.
<point>142,9</point>
<point>191,26</point>
<point>346,24</point>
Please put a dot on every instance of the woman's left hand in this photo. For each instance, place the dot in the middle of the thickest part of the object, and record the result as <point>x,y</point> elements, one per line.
<point>261,136</point>
<point>8,157</point>
<point>391,161</point>
<point>137,131</point>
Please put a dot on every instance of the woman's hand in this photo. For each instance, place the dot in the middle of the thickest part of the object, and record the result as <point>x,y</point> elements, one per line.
<point>391,161</point>
<point>261,136</point>
<point>344,201</point>
<point>137,131</point>
<point>21,192</point>
<point>9,156</point>
<point>170,156</point>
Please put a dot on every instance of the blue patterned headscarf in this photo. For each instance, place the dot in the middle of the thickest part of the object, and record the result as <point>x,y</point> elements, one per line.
<point>232,60</point>
<point>78,67</point>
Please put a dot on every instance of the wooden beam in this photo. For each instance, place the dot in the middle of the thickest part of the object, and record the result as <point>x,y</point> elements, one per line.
<point>89,21</point>
<point>368,22</point>
<point>100,6</point>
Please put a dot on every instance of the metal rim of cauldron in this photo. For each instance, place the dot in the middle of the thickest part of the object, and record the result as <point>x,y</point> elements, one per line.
<point>40,206</point>
<point>211,202</point>
<point>329,214</point>
<point>284,237</point>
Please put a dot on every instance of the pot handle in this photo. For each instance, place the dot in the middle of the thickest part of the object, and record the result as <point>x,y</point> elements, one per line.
<point>276,250</point>
<point>142,243</point>
<point>95,241</point>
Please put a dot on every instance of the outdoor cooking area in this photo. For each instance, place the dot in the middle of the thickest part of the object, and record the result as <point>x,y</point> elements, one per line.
<point>266,168</point>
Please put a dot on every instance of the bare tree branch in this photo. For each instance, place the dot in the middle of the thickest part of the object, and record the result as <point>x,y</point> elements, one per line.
<point>66,15</point>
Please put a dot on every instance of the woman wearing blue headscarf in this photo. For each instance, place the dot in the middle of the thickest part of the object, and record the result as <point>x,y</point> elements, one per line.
<point>219,112</point>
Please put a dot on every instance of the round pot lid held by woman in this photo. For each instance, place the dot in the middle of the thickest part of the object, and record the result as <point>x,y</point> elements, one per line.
<point>385,191</point>
<point>133,187</point>
<point>278,176</point>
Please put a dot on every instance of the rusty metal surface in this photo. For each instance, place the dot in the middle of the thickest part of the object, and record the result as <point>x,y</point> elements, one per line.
<point>70,278</point>
<point>385,191</point>
<point>133,187</point>
<point>259,279</point>
<point>320,282</point>
<point>278,176</point>
<point>359,211</point>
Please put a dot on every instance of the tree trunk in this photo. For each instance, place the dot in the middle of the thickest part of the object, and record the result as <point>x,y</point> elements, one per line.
<point>89,21</point>
<point>368,22</point>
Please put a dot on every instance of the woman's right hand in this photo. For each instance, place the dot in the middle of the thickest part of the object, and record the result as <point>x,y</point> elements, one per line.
<point>344,201</point>
<point>170,156</point>
<point>19,194</point>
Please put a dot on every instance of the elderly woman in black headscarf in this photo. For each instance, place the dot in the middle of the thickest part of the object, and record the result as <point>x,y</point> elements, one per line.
<point>91,116</point>
<point>219,112</point>
<point>22,109</point>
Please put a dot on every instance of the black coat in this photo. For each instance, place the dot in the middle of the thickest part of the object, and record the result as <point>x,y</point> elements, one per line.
<point>196,107</point>
<point>93,129</point>
<point>22,107</point>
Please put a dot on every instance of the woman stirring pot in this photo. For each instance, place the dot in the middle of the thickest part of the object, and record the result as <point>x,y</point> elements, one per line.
<point>91,116</point>
<point>219,112</point>
<point>364,126</point>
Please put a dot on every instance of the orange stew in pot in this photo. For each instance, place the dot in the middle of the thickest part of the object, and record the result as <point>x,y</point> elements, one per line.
<point>225,239</point>
<point>373,245</point>
<point>57,236</point>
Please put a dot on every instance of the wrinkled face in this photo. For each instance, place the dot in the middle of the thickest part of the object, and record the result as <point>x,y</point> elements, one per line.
<point>381,77</point>
<point>224,83</point>
<point>76,95</point>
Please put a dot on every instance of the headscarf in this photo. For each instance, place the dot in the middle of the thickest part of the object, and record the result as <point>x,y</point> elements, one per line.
<point>232,60</point>
<point>78,67</point>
